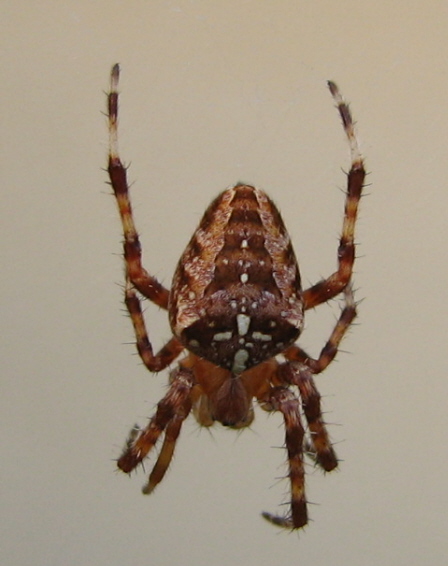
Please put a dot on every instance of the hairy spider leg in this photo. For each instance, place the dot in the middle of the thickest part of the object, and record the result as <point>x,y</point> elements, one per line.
<point>136,276</point>
<point>328,288</point>
<point>167,451</point>
<point>321,448</point>
<point>330,349</point>
<point>172,410</point>
<point>283,400</point>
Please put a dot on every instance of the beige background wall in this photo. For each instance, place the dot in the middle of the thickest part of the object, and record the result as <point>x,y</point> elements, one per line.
<point>214,92</point>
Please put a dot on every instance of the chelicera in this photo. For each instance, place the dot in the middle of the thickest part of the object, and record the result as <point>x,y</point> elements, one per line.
<point>236,309</point>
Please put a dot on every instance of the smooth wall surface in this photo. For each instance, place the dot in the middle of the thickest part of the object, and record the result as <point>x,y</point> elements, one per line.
<point>215,92</point>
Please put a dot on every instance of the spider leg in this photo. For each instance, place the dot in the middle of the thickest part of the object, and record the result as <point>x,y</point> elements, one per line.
<point>321,449</point>
<point>329,351</point>
<point>166,453</point>
<point>146,284</point>
<point>328,288</point>
<point>167,354</point>
<point>171,411</point>
<point>283,400</point>
<point>136,276</point>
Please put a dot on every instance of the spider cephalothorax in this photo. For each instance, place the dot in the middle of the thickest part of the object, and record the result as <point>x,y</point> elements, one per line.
<point>236,307</point>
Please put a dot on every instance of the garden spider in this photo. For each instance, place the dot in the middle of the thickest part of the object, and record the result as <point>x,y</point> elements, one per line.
<point>236,306</point>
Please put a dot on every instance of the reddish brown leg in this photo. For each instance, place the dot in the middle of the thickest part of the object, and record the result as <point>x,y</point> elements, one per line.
<point>329,351</point>
<point>283,400</point>
<point>328,288</point>
<point>166,453</point>
<point>167,354</point>
<point>136,276</point>
<point>147,285</point>
<point>171,411</point>
<point>321,449</point>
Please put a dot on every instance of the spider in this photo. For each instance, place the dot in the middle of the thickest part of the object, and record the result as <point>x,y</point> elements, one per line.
<point>236,308</point>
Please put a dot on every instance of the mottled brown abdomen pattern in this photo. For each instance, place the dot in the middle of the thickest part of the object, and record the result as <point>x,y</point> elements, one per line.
<point>236,295</point>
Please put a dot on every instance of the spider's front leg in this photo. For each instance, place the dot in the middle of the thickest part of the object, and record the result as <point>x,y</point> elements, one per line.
<point>147,285</point>
<point>136,276</point>
<point>328,288</point>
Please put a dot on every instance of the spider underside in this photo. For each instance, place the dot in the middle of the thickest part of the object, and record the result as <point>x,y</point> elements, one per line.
<point>236,309</point>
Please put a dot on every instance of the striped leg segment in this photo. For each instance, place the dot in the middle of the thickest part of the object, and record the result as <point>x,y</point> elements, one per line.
<point>136,277</point>
<point>167,354</point>
<point>284,400</point>
<point>320,448</point>
<point>147,285</point>
<point>167,451</point>
<point>329,351</point>
<point>333,285</point>
<point>171,412</point>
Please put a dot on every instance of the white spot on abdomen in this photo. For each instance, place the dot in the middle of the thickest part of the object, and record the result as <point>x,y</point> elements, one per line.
<point>222,336</point>
<point>243,322</point>
<point>261,336</point>
<point>239,361</point>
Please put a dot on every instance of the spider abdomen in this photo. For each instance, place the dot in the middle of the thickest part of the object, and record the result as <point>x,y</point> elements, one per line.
<point>236,295</point>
